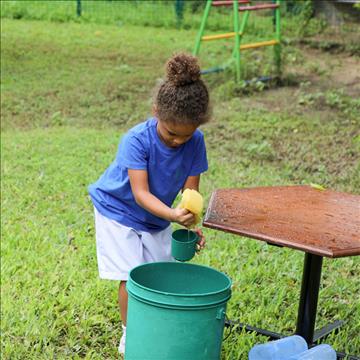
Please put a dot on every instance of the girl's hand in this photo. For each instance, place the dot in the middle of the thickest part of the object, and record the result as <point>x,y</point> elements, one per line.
<point>201,243</point>
<point>182,216</point>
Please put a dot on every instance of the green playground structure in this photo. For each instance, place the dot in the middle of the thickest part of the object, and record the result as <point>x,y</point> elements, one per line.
<point>245,7</point>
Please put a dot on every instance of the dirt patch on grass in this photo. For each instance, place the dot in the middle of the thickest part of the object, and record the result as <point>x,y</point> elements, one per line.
<point>316,72</point>
<point>318,129</point>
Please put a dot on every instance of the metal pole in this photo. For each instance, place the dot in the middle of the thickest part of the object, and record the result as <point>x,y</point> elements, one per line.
<point>277,47</point>
<point>78,7</point>
<point>237,39</point>
<point>202,27</point>
<point>179,10</point>
<point>309,297</point>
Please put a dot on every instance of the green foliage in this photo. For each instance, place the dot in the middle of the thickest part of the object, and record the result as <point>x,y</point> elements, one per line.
<point>303,23</point>
<point>144,13</point>
<point>157,14</point>
<point>69,91</point>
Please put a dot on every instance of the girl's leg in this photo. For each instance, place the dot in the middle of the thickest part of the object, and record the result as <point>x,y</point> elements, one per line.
<point>123,301</point>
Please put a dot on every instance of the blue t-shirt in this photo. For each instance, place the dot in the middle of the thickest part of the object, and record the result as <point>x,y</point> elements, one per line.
<point>167,168</point>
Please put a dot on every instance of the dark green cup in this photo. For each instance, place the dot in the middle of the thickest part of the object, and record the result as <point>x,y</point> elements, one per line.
<point>183,244</point>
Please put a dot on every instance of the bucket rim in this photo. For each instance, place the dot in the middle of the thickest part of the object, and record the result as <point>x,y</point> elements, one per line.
<point>182,242</point>
<point>195,239</point>
<point>228,287</point>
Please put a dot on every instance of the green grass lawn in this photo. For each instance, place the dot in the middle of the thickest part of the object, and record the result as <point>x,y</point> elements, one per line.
<point>69,91</point>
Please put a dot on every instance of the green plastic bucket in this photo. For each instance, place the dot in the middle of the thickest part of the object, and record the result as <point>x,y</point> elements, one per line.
<point>176,311</point>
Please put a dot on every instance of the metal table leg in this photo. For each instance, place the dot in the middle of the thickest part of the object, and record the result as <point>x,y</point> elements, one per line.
<point>308,302</point>
<point>310,286</point>
<point>309,294</point>
<point>309,297</point>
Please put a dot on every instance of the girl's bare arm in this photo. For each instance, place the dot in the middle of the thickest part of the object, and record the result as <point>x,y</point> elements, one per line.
<point>144,198</point>
<point>192,182</point>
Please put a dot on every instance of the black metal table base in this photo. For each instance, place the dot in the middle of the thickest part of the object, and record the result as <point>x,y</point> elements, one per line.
<point>305,325</point>
<point>326,330</point>
<point>239,327</point>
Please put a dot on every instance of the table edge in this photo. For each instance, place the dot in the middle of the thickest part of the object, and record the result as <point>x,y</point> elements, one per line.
<point>282,242</point>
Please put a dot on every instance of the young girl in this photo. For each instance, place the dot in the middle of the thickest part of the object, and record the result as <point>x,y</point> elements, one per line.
<point>155,160</point>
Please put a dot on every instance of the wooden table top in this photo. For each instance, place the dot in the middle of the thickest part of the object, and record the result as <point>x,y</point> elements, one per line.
<point>321,222</point>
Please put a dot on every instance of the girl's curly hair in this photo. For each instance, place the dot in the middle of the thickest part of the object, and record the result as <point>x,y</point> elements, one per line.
<point>183,97</point>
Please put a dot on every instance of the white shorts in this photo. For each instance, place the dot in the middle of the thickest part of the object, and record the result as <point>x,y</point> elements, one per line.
<point>120,248</point>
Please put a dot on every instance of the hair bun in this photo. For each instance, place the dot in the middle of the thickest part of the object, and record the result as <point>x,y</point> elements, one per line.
<point>182,69</point>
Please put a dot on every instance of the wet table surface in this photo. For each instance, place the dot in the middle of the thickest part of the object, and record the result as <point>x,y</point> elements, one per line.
<point>320,222</point>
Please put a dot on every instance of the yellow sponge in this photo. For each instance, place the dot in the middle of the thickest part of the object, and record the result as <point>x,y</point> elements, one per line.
<point>192,201</point>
